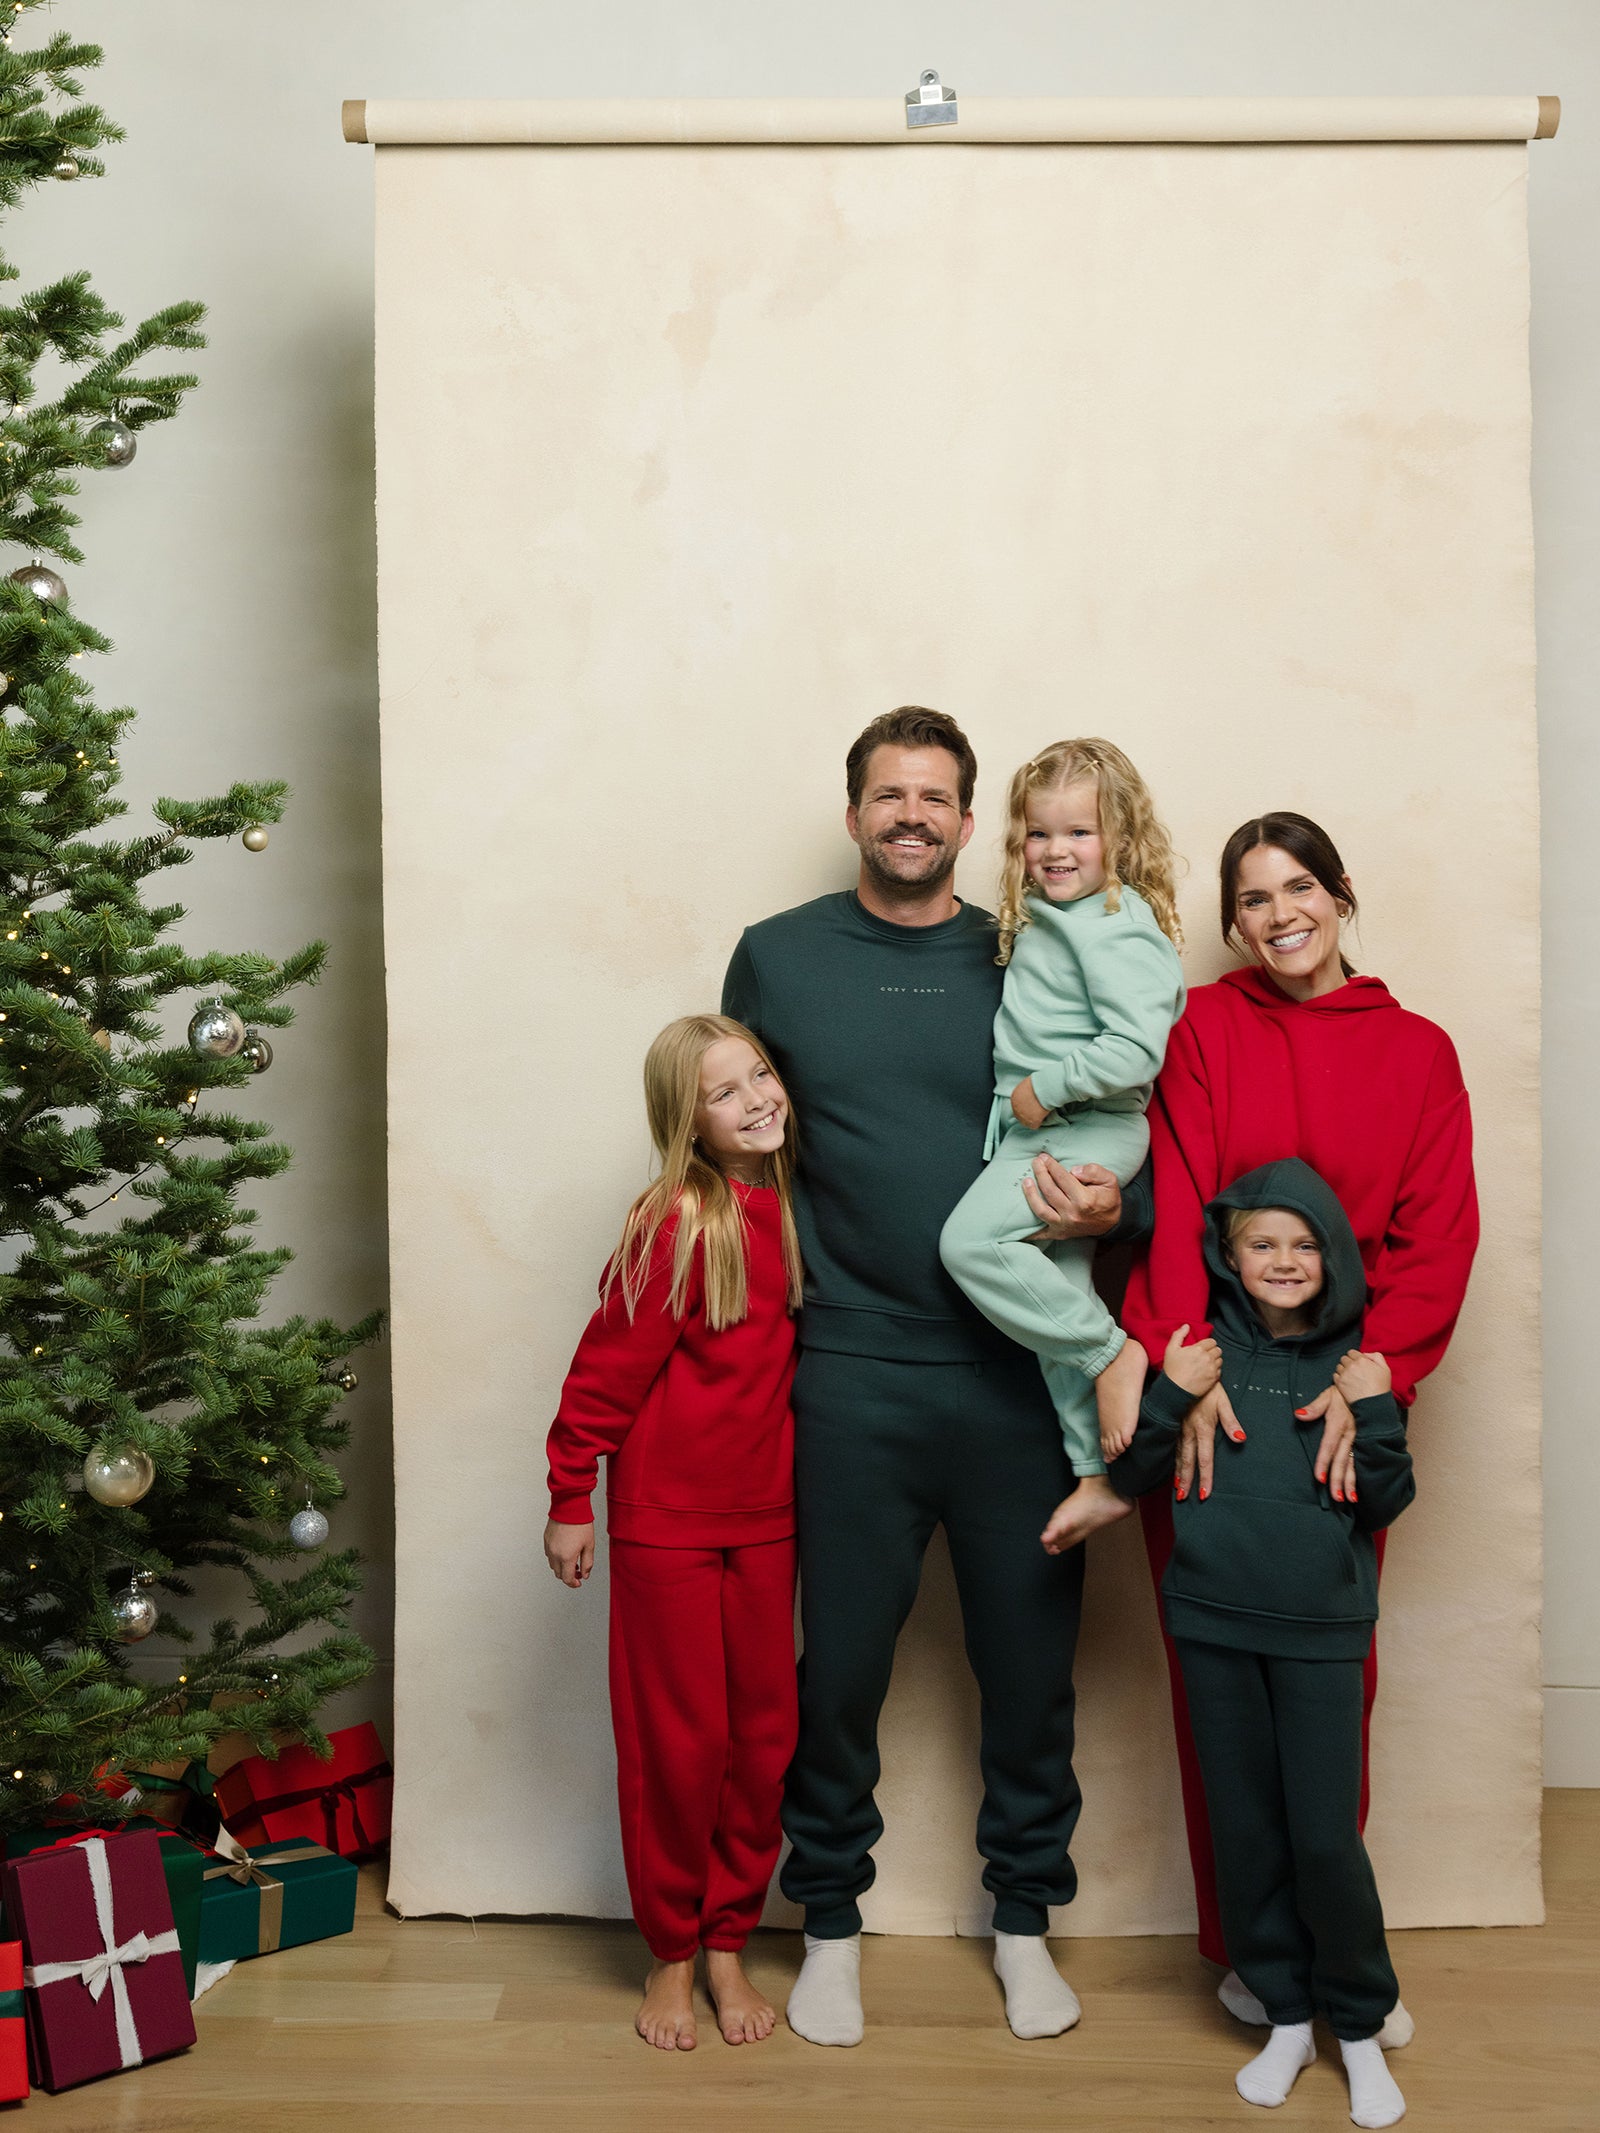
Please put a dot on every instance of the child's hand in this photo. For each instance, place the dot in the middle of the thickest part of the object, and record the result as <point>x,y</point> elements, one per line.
<point>1026,1108</point>
<point>1361,1376</point>
<point>1196,1368</point>
<point>569,1550</point>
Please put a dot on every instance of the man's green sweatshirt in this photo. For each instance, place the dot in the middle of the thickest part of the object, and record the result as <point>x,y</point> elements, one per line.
<point>1269,1562</point>
<point>884,1038</point>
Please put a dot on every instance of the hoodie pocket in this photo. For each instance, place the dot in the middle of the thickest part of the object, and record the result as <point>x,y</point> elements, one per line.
<point>1253,1555</point>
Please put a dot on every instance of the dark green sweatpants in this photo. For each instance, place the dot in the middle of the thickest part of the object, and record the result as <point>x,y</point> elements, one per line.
<point>884,1452</point>
<point>1279,1742</point>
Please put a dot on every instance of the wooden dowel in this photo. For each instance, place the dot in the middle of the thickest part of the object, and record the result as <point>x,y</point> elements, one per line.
<point>554,121</point>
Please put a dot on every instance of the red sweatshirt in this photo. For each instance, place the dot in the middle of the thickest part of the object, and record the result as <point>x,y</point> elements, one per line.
<point>696,1424</point>
<point>1371,1097</point>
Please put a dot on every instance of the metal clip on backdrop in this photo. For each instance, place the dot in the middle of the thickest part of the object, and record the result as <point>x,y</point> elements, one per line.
<point>930,103</point>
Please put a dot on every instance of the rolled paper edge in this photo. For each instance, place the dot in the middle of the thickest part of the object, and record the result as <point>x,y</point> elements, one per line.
<point>563,121</point>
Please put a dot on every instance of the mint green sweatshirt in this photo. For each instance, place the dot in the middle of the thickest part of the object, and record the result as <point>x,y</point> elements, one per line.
<point>1090,998</point>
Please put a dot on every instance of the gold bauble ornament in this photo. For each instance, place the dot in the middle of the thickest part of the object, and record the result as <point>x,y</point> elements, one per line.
<point>118,1477</point>
<point>254,838</point>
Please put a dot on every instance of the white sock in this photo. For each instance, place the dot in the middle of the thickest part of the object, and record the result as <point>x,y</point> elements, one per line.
<point>1398,2031</point>
<point>1039,2001</point>
<point>1242,2003</point>
<point>825,2003</point>
<point>1273,2071</point>
<point>1374,2098</point>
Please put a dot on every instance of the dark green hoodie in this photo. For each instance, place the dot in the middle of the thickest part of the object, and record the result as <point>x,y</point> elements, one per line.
<point>1269,1562</point>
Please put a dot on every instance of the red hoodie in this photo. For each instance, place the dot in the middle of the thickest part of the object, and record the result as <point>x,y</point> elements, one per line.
<point>1371,1097</point>
<point>696,1424</point>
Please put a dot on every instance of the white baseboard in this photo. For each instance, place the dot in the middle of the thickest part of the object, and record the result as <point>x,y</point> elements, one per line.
<point>1572,1736</point>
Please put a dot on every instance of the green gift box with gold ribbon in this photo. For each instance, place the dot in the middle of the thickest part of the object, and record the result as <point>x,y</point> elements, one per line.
<point>272,1896</point>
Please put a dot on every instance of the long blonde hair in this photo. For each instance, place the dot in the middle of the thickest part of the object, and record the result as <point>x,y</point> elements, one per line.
<point>1138,850</point>
<point>694,1186</point>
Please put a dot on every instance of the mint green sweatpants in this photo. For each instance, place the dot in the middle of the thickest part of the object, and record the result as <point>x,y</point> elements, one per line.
<point>1044,1297</point>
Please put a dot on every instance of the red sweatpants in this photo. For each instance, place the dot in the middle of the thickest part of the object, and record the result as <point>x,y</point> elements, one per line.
<point>704,1708</point>
<point>1156,1514</point>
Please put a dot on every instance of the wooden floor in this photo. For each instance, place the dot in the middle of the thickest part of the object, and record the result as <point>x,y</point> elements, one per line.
<point>428,2026</point>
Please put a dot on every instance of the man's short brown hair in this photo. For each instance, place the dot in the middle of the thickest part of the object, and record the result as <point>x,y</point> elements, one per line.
<point>912,726</point>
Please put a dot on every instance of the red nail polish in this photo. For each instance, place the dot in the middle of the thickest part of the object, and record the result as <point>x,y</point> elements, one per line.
<point>1338,1496</point>
<point>1302,1412</point>
<point>1204,1493</point>
<point>1183,1495</point>
<point>1238,1436</point>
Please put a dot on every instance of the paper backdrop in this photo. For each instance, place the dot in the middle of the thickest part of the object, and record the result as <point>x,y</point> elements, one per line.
<point>693,459</point>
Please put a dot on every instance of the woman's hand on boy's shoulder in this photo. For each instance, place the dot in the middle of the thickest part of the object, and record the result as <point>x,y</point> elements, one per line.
<point>1196,1367</point>
<point>569,1550</point>
<point>1362,1375</point>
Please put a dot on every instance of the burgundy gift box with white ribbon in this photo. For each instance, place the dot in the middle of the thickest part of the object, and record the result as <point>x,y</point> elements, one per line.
<point>102,1971</point>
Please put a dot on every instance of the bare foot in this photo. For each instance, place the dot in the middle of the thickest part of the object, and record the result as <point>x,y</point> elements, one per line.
<point>1117,1392</point>
<point>1093,1503</point>
<point>744,2015</point>
<point>666,2014</point>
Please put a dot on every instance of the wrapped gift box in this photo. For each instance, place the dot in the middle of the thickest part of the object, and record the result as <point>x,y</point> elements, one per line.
<point>13,2041</point>
<point>177,1795</point>
<point>104,1977</point>
<point>344,1804</point>
<point>182,1862</point>
<point>273,1896</point>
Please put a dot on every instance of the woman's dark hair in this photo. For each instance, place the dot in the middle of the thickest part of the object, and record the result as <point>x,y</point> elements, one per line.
<point>1303,840</point>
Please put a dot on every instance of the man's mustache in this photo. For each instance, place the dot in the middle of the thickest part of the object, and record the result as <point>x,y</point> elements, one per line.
<point>908,829</point>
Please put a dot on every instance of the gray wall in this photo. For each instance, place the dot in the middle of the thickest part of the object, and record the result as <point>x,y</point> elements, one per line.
<point>233,564</point>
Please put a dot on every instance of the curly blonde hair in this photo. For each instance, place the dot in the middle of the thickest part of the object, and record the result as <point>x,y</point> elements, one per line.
<point>1138,850</point>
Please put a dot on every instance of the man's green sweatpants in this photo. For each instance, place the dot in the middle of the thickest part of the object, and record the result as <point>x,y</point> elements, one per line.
<point>1279,1742</point>
<point>884,1452</point>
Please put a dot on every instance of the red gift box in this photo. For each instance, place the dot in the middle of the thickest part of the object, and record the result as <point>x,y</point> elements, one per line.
<point>345,1804</point>
<point>13,2043</point>
<point>104,1973</point>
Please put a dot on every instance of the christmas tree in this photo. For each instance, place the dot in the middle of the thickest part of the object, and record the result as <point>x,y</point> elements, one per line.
<point>149,1424</point>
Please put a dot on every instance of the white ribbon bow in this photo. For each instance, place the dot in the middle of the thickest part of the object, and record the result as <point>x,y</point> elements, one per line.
<point>106,1967</point>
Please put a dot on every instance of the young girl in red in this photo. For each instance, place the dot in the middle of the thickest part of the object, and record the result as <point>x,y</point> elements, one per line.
<point>682,1379</point>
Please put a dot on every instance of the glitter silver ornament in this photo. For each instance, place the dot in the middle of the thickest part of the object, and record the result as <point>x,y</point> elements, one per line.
<point>119,1477</point>
<point>67,168</point>
<point>254,838</point>
<point>119,441</point>
<point>257,1050</point>
<point>133,1611</point>
<point>216,1031</point>
<point>308,1528</point>
<point>44,583</point>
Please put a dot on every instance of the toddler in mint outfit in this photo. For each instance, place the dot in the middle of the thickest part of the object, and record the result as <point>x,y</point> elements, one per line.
<point>1088,926</point>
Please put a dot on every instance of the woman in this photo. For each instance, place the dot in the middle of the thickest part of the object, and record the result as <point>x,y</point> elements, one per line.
<point>1295,1055</point>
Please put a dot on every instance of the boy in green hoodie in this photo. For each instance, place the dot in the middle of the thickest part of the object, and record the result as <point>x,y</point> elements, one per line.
<point>1270,1598</point>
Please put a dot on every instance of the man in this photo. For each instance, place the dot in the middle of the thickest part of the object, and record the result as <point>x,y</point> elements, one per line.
<point>911,1411</point>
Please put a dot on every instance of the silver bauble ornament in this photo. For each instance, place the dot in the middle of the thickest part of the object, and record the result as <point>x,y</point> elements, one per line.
<point>67,168</point>
<point>118,440</point>
<point>134,1612</point>
<point>119,1477</point>
<point>308,1528</point>
<point>216,1031</point>
<point>257,1050</point>
<point>342,1375</point>
<point>44,583</point>
<point>254,838</point>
